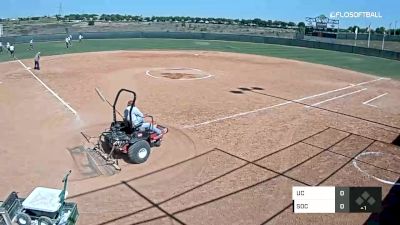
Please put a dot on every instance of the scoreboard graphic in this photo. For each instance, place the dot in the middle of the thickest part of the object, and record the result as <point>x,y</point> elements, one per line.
<point>336,199</point>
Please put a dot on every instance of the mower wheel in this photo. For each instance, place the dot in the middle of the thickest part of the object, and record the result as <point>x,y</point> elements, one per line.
<point>23,219</point>
<point>139,152</point>
<point>43,220</point>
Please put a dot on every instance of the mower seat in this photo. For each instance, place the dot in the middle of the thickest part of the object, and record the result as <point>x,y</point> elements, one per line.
<point>127,127</point>
<point>130,129</point>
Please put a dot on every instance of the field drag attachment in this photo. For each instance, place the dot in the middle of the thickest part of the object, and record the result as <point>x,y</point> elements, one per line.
<point>93,160</point>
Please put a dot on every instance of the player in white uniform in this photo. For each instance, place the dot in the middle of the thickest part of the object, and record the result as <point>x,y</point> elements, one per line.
<point>80,37</point>
<point>12,49</point>
<point>67,42</point>
<point>31,44</point>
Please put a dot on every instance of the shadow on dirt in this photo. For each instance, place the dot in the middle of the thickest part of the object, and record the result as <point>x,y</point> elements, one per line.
<point>257,88</point>
<point>397,141</point>
<point>241,90</point>
<point>244,89</point>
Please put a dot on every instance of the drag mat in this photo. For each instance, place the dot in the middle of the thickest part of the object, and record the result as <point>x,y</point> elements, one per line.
<point>86,165</point>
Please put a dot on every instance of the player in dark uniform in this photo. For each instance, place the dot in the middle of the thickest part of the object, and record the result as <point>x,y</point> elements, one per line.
<point>37,59</point>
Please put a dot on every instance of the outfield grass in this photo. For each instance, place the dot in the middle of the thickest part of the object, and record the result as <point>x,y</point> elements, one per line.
<point>360,63</point>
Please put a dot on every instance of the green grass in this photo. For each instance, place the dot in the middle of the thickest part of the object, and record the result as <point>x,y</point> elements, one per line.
<point>360,63</point>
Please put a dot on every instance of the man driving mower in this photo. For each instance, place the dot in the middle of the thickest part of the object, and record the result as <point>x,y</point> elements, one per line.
<point>138,120</point>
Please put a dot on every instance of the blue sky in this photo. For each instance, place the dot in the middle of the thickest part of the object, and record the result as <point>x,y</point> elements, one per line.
<point>286,10</point>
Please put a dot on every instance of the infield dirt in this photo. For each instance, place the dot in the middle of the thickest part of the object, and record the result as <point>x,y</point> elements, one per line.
<point>237,142</point>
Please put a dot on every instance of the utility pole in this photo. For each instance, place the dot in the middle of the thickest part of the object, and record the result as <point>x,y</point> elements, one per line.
<point>338,29</point>
<point>60,9</point>
<point>395,26</point>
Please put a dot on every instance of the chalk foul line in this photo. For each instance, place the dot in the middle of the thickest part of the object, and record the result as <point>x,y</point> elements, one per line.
<point>281,104</point>
<point>337,97</point>
<point>51,91</point>
<point>373,99</point>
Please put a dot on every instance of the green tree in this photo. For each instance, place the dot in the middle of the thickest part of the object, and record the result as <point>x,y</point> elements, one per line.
<point>380,30</point>
<point>353,29</point>
<point>301,24</point>
<point>276,23</point>
<point>256,21</point>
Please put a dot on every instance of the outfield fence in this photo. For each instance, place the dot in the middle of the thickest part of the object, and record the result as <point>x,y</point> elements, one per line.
<point>373,37</point>
<point>212,36</point>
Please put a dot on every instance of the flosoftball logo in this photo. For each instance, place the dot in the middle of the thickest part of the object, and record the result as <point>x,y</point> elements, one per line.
<point>376,15</point>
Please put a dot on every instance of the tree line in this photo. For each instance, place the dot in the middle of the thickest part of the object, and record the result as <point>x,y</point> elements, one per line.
<point>378,30</point>
<point>257,22</point>
<point>184,19</point>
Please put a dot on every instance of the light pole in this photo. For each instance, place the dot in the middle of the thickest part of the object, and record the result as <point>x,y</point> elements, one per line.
<point>395,26</point>
<point>369,34</point>
<point>355,36</point>
<point>383,40</point>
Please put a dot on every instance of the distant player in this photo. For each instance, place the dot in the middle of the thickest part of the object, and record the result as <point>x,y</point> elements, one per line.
<point>12,49</point>
<point>67,42</point>
<point>31,44</point>
<point>80,37</point>
<point>8,46</point>
<point>70,40</point>
<point>37,59</point>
